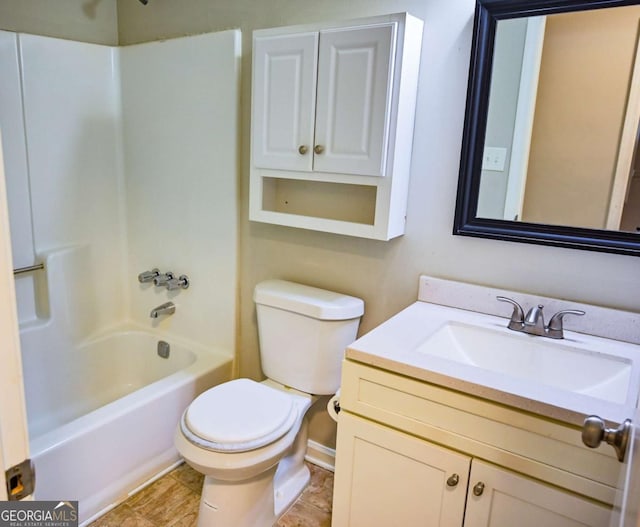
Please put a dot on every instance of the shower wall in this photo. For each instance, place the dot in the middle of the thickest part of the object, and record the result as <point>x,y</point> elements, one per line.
<point>15,160</point>
<point>180,128</point>
<point>61,134</point>
<point>119,160</point>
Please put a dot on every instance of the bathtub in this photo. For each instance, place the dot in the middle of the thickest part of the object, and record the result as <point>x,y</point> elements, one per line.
<point>101,421</point>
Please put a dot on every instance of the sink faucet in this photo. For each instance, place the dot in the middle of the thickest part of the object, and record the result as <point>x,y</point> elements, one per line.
<point>168,308</point>
<point>533,322</point>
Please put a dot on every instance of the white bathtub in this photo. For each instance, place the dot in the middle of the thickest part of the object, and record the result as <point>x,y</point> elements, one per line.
<point>101,421</point>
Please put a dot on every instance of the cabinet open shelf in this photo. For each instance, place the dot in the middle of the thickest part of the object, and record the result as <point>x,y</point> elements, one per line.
<point>321,200</point>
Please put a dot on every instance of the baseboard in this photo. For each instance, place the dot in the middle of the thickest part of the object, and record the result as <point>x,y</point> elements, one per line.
<point>321,455</point>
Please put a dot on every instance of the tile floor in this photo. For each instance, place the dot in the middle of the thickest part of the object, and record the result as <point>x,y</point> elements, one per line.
<point>172,501</point>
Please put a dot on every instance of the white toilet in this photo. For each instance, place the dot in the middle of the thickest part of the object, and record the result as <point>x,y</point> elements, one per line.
<point>249,439</point>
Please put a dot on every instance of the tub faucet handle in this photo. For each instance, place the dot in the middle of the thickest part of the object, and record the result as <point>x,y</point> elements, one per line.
<point>148,276</point>
<point>175,283</point>
<point>163,278</point>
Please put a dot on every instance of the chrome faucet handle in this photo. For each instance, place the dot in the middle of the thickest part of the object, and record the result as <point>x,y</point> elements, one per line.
<point>148,276</point>
<point>175,283</point>
<point>555,327</point>
<point>517,316</point>
<point>163,278</point>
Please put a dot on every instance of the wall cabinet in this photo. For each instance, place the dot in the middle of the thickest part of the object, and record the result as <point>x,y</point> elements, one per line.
<point>395,472</point>
<point>332,125</point>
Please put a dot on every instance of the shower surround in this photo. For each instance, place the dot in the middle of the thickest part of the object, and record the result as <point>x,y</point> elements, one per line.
<point>118,160</point>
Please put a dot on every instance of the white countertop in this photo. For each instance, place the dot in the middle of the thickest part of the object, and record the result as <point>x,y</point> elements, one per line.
<point>392,346</point>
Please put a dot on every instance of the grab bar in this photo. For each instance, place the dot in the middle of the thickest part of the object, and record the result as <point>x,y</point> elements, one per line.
<point>28,269</point>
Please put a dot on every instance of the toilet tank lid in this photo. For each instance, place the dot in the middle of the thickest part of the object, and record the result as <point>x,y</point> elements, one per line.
<point>307,300</point>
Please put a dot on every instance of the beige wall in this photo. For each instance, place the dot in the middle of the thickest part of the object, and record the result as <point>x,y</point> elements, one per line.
<point>84,20</point>
<point>587,61</point>
<point>384,274</point>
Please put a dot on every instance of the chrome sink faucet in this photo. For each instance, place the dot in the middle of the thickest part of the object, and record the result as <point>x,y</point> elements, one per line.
<point>533,322</point>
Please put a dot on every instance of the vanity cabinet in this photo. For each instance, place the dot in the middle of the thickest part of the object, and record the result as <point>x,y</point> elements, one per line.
<point>412,453</point>
<point>332,125</point>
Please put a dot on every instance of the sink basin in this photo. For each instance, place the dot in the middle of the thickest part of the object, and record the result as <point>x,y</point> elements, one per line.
<point>549,362</point>
<point>474,353</point>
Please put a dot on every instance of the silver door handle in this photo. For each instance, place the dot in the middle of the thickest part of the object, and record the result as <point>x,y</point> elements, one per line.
<point>594,432</point>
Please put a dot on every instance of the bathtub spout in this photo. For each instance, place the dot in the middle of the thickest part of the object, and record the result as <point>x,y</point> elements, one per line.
<point>168,308</point>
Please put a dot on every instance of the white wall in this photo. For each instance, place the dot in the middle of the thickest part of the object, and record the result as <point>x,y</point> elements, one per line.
<point>16,168</point>
<point>72,123</point>
<point>62,163</point>
<point>180,132</point>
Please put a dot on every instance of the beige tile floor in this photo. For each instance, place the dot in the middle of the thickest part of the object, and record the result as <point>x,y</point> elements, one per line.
<point>172,501</point>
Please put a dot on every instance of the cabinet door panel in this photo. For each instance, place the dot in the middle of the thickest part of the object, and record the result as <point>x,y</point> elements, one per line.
<point>509,499</point>
<point>385,477</point>
<point>355,71</point>
<point>284,84</point>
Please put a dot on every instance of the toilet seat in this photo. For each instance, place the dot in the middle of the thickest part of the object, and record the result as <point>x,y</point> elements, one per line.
<point>238,416</point>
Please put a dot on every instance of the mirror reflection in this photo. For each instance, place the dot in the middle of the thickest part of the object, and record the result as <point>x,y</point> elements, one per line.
<point>562,127</point>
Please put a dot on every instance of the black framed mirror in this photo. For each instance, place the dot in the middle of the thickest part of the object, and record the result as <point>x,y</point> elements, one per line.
<point>551,125</point>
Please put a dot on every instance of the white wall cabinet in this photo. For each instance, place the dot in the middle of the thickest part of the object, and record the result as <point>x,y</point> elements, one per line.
<point>393,468</point>
<point>332,125</point>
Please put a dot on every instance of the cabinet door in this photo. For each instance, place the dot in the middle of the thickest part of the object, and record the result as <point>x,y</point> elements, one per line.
<point>385,477</point>
<point>284,84</point>
<point>355,72</point>
<point>508,499</point>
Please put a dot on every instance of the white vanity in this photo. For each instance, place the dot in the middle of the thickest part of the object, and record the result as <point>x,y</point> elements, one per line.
<point>450,419</point>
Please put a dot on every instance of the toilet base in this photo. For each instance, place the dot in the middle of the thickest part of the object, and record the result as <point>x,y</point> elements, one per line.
<point>233,504</point>
<point>286,493</point>
<point>252,503</point>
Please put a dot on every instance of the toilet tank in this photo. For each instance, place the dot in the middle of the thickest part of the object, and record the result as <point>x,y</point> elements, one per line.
<point>303,333</point>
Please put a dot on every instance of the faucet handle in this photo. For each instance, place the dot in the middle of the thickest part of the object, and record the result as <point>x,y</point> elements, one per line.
<point>517,316</point>
<point>163,278</point>
<point>555,328</point>
<point>148,276</point>
<point>175,283</point>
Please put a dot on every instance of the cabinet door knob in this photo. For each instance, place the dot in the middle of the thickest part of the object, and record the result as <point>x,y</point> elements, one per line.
<point>302,149</point>
<point>453,480</point>
<point>318,149</point>
<point>478,489</point>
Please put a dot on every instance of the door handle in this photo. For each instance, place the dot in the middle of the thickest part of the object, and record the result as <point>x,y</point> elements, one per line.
<point>594,432</point>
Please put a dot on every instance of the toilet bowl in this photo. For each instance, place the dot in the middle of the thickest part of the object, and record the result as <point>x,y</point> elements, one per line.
<point>248,438</point>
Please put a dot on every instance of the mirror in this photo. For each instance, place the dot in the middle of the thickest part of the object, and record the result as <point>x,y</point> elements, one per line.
<point>551,125</point>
